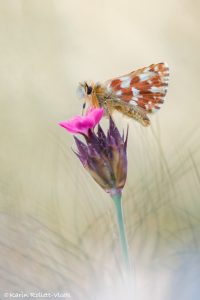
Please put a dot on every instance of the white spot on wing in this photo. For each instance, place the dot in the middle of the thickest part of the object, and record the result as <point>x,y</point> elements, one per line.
<point>155,89</point>
<point>109,89</point>
<point>132,102</point>
<point>135,91</point>
<point>144,76</point>
<point>125,82</point>
<point>166,80</point>
<point>118,93</point>
<point>156,68</point>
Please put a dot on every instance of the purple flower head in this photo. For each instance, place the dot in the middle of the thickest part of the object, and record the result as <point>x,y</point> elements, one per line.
<point>102,155</point>
<point>83,124</point>
<point>109,164</point>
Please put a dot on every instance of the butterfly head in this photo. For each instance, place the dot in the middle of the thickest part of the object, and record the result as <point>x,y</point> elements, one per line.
<point>84,90</point>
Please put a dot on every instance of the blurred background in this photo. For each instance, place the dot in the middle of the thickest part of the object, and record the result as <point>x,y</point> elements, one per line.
<point>58,229</point>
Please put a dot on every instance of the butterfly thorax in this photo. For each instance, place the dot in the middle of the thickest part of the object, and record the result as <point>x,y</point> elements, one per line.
<point>94,94</point>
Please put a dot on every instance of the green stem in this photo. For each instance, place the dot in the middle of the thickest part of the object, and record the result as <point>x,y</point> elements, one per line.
<point>117,198</point>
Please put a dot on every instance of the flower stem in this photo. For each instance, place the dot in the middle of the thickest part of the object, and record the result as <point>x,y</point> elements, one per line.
<point>128,275</point>
<point>117,198</point>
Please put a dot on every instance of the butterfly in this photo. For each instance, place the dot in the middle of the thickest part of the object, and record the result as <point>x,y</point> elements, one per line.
<point>135,95</point>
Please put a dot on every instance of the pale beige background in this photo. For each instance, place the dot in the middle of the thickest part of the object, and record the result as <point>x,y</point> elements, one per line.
<point>57,226</point>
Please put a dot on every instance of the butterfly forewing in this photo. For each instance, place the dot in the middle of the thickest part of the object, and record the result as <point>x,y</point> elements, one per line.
<point>145,88</point>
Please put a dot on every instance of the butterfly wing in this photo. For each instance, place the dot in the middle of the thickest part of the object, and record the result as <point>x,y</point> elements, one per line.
<point>145,88</point>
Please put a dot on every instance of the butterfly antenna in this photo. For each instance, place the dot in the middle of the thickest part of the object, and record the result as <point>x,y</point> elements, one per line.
<point>83,108</point>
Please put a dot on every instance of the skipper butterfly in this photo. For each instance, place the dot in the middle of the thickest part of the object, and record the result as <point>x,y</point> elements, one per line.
<point>135,95</point>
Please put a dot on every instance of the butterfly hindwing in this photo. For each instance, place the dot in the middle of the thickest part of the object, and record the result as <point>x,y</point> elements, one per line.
<point>145,87</point>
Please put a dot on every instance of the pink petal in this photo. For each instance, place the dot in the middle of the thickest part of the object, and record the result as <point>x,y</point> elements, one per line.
<point>80,124</point>
<point>96,114</point>
<point>68,126</point>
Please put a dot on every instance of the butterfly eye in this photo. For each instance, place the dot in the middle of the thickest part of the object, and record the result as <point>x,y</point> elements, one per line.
<point>88,89</point>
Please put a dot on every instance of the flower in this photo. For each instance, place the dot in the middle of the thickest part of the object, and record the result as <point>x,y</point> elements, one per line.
<point>103,156</point>
<point>83,124</point>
